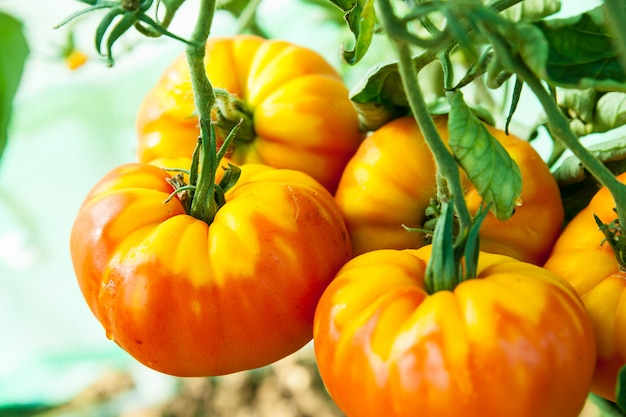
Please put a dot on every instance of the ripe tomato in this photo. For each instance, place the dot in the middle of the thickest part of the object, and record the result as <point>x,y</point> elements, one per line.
<point>300,112</point>
<point>390,181</point>
<point>515,341</point>
<point>589,265</point>
<point>192,299</point>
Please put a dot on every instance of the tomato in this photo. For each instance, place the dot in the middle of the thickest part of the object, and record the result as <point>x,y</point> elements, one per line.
<point>514,341</point>
<point>589,265</point>
<point>191,299</point>
<point>300,114</point>
<point>390,181</point>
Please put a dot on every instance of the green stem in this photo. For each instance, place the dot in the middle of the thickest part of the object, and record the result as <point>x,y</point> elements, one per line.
<point>559,126</point>
<point>247,16</point>
<point>204,96</point>
<point>204,205</point>
<point>446,164</point>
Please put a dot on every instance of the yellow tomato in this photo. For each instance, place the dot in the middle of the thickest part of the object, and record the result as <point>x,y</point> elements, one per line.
<point>297,110</point>
<point>390,181</point>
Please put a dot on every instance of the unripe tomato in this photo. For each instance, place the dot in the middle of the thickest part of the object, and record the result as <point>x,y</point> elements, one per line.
<point>297,110</point>
<point>581,256</point>
<point>514,341</point>
<point>390,181</point>
<point>192,299</point>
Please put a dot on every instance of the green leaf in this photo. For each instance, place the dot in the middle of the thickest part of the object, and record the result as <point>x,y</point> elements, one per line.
<point>379,96</point>
<point>529,42</point>
<point>361,19</point>
<point>571,171</point>
<point>620,392</point>
<point>489,167</point>
<point>532,10</point>
<point>610,112</point>
<point>13,53</point>
<point>581,53</point>
<point>580,104</point>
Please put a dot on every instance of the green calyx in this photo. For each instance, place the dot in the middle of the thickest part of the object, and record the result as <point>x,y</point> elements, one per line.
<point>203,197</point>
<point>614,237</point>
<point>232,111</point>
<point>454,256</point>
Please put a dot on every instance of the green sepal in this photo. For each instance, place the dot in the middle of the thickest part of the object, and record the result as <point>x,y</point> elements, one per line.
<point>127,21</point>
<point>443,269</point>
<point>472,243</point>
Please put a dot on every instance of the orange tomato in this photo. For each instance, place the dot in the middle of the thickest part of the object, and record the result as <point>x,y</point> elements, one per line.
<point>390,181</point>
<point>590,266</point>
<point>514,341</point>
<point>189,298</point>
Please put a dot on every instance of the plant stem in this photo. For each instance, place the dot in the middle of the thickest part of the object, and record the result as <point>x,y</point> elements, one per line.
<point>247,16</point>
<point>446,164</point>
<point>204,96</point>
<point>204,205</point>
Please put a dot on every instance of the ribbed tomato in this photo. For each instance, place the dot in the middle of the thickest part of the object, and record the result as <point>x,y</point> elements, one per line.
<point>390,181</point>
<point>295,107</point>
<point>514,341</point>
<point>590,266</point>
<point>190,298</point>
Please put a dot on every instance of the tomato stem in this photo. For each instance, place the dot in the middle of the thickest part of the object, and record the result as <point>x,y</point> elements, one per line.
<point>445,268</point>
<point>446,164</point>
<point>208,196</point>
<point>204,96</point>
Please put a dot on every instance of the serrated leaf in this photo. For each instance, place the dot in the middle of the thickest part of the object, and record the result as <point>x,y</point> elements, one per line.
<point>13,53</point>
<point>361,19</point>
<point>581,53</point>
<point>488,165</point>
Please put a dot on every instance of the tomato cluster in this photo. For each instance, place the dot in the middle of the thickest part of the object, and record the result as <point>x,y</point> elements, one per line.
<point>311,242</point>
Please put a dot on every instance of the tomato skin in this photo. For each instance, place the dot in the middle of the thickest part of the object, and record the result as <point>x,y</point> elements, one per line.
<point>302,116</point>
<point>191,299</point>
<point>390,181</point>
<point>514,342</point>
<point>589,265</point>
